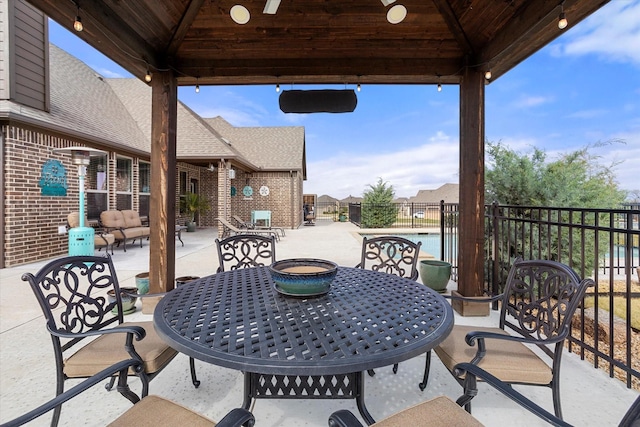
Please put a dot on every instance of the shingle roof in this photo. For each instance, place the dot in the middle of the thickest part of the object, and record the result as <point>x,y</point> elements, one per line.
<point>450,193</point>
<point>83,104</point>
<point>271,148</point>
<point>195,138</point>
<point>117,113</point>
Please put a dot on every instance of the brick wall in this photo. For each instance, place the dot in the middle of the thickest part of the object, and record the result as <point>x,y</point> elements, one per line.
<point>31,219</point>
<point>284,199</point>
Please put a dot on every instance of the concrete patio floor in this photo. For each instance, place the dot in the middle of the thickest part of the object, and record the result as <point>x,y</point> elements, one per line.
<point>27,379</point>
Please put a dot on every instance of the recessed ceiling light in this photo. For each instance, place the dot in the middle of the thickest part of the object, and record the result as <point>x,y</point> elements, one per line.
<point>396,14</point>
<point>240,14</point>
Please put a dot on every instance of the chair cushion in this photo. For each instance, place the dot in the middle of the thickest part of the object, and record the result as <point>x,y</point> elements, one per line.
<point>510,361</point>
<point>153,411</point>
<point>109,349</point>
<point>104,239</point>
<point>112,219</point>
<point>131,218</point>
<point>438,412</point>
<point>74,220</point>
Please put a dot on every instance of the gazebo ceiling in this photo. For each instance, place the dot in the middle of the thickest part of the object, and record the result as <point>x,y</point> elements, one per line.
<point>317,41</point>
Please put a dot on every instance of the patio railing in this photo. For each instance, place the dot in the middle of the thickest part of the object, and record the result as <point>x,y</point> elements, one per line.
<point>603,244</point>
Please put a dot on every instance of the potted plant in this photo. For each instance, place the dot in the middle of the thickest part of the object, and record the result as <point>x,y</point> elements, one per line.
<point>193,204</point>
<point>435,274</point>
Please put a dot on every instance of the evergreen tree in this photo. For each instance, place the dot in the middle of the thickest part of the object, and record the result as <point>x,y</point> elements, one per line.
<point>378,209</point>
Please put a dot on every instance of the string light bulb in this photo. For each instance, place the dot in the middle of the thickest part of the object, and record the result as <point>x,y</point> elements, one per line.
<point>358,88</point>
<point>77,24</point>
<point>562,19</point>
<point>487,75</point>
<point>439,87</point>
<point>148,76</point>
<point>277,88</point>
<point>197,88</point>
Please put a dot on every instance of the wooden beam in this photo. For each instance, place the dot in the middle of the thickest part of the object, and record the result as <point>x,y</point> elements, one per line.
<point>105,31</point>
<point>162,212</point>
<point>185,23</point>
<point>449,16</point>
<point>471,227</point>
<point>533,27</point>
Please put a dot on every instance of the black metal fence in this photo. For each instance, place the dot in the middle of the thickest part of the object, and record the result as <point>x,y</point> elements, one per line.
<point>597,243</point>
<point>603,244</point>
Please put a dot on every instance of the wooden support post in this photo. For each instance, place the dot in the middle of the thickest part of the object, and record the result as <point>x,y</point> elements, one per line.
<point>471,225</point>
<point>162,212</point>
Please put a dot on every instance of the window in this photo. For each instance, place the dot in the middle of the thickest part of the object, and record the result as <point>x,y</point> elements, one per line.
<point>124,177</point>
<point>96,186</point>
<point>144,186</point>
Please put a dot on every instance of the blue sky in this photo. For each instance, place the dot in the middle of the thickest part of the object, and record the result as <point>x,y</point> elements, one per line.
<point>582,89</point>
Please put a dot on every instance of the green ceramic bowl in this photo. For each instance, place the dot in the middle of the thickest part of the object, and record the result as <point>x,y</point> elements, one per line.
<point>303,276</point>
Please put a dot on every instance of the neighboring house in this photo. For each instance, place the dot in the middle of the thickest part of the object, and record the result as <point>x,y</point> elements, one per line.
<point>350,199</point>
<point>450,193</point>
<point>50,100</point>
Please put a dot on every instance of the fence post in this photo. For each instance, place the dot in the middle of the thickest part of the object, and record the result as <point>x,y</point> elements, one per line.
<point>494,252</point>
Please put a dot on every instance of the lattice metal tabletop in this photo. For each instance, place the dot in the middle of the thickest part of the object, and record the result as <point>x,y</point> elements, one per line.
<point>367,320</point>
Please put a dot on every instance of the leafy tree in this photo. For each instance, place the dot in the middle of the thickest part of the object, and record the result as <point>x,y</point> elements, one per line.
<point>378,209</point>
<point>575,180</point>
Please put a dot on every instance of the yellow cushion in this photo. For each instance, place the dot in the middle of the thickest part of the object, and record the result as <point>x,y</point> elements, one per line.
<point>74,220</point>
<point>153,411</point>
<point>439,412</point>
<point>103,239</point>
<point>109,349</point>
<point>131,218</point>
<point>508,360</point>
<point>112,219</point>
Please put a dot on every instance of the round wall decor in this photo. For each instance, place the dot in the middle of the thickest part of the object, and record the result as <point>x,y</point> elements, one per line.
<point>264,190</point>
<point>233,191</point>
<point>247,191</point>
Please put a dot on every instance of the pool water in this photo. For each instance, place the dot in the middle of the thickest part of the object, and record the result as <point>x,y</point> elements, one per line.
<point>430,241</point>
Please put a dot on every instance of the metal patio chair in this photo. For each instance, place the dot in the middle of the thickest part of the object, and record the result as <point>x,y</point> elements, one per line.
<point>390,254</point>
<point>538,303</point>
<point>245,250</point>
<point>393,255</point>
<point>73,295</point>
<point>443,412</point>
<point>150,411</point>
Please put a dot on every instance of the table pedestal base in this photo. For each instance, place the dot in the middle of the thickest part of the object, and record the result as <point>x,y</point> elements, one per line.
<point>270,386</point>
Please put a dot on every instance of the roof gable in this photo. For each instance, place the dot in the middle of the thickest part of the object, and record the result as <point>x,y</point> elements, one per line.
<point>270,148</point>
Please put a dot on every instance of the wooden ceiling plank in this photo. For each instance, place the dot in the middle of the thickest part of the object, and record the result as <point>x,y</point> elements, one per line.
<point>183,27</point>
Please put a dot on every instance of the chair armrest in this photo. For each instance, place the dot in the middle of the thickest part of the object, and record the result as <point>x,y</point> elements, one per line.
<point>472,372</point>
<point>344,418</point>
<point>237,417</point>
<point>120,367</point>
<point>481,335</point>
<point>136,331</point>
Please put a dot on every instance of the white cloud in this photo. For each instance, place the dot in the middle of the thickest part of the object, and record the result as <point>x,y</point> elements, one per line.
<point>613,33</point>
<point>532,101</point>
<point>587,114</point>
<point>425,167</point>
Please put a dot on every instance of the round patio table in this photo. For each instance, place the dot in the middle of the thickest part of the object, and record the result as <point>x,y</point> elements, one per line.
<point>309,348</point>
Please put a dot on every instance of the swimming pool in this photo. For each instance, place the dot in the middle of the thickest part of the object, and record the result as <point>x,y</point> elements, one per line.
<point>430,241</point>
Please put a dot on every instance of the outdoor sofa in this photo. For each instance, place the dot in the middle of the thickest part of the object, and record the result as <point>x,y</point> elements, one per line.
<point>124,225</point>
